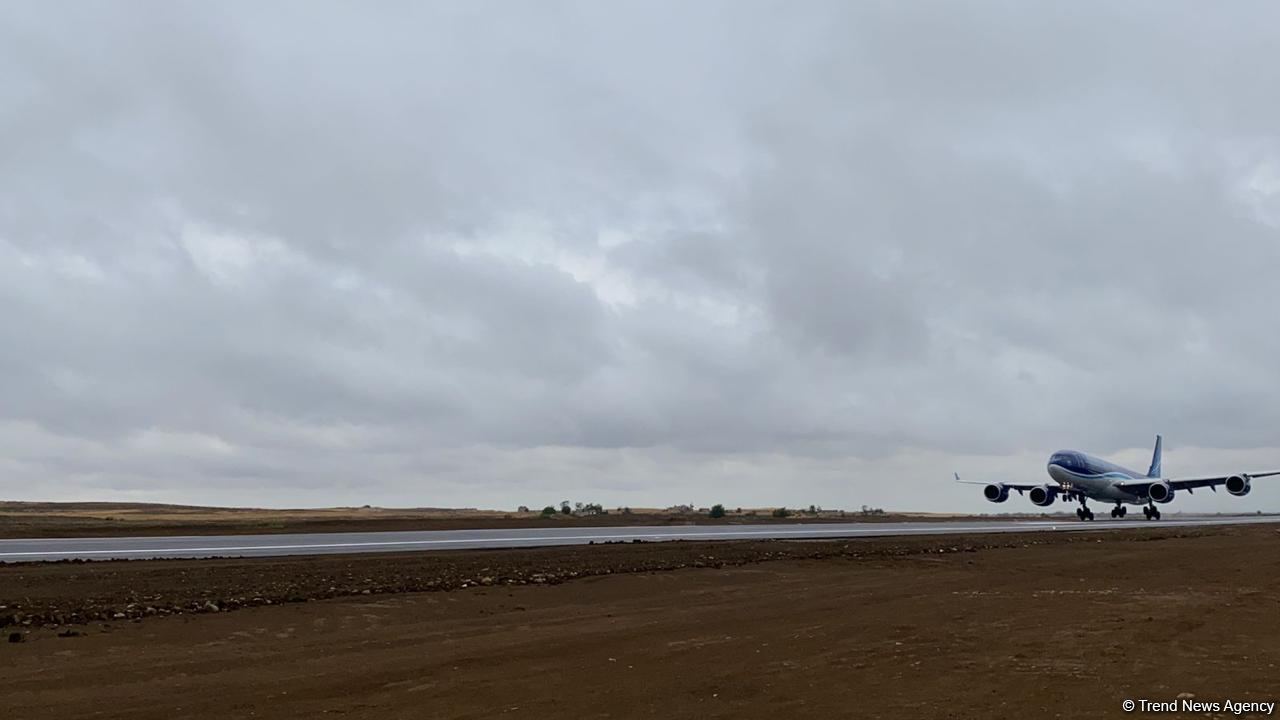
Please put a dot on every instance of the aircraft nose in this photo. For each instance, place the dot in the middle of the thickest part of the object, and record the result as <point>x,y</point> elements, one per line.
<point>1061,459</point>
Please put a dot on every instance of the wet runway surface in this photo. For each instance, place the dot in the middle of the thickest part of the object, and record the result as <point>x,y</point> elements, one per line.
<point>20,550</point>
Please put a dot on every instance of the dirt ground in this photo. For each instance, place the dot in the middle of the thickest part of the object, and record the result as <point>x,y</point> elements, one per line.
<point>47,520</point>
<point>977,627</point>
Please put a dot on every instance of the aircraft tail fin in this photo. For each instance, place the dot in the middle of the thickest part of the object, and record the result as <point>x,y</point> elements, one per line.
<point>1154,471</point>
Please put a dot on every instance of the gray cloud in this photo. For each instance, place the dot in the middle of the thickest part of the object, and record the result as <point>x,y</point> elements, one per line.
<point>492,254</point>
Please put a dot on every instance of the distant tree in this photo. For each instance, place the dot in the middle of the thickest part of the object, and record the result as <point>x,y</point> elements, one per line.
<point>523,508</point>
<point>781,512</point>
<point>717,511</point>
<point>626,511</point>
<point>548,511</point>
<point>564,507</point>
<point>813,509</point>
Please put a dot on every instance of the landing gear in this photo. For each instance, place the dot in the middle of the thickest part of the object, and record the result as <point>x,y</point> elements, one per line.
<point>1119,511</point>
<point>1151,511</point>
<point>1083,512</point>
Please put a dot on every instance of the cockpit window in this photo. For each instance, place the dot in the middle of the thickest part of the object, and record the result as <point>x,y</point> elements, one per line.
<point>1067,459</point>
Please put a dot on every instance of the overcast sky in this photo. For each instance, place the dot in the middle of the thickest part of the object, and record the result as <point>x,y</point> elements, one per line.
<point>486,254</point>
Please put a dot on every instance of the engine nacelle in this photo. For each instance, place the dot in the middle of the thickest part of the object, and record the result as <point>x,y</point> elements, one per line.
<point>1043,495</point>
<point>1238,485</point>
<point>996,493</point>
<point>1161,492</point>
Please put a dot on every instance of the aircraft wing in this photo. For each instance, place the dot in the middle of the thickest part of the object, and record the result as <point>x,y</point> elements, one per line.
<point>1011,486</point>
<point>1189,483</point>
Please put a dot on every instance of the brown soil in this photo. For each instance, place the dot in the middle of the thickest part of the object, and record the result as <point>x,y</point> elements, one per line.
<point>46,520</point>
<point>1037,626</point>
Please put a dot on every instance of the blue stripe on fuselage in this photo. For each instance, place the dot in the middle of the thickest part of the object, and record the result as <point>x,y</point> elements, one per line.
<point>1096,476</point>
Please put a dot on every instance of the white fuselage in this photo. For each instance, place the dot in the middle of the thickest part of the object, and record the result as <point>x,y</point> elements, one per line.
<point>1095,479</point>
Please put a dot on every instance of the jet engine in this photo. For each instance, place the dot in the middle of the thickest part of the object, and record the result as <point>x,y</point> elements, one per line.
<point>1161,492</point>
<point>1238,485</point>
<point>996,493</point>
<point>1043,495</point>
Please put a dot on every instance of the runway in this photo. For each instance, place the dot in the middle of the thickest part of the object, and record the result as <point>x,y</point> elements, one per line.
<point>19,550</point>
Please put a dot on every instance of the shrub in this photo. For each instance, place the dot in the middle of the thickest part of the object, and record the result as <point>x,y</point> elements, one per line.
<point>781,512</point>
<point>548,511</point>
<point>717,511</point>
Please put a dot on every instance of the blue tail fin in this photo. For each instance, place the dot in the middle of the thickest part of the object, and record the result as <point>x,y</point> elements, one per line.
<point>1154,472</point>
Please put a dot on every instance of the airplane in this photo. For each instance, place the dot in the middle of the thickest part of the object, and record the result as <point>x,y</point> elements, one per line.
<point>1082,477</point>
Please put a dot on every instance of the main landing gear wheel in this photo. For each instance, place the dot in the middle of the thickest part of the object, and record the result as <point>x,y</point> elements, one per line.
<point>1152,512</point>
<point>1119,511</point>
<point>1084,513</point>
